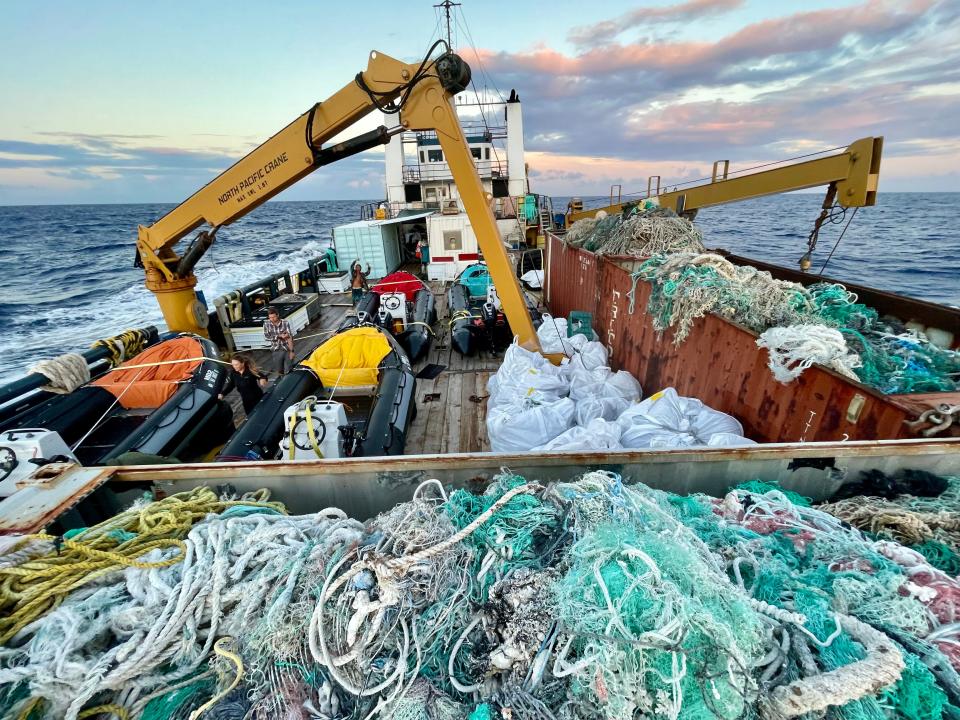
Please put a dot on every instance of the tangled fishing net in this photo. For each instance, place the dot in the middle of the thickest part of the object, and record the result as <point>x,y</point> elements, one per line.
<point>687,286</point>
<point>589,599</point>
<point>799,325</point>
<point>914,508</point>
<point>641,232</point>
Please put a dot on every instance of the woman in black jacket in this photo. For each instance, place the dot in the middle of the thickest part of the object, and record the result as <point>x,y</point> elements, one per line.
<point>247,379</point>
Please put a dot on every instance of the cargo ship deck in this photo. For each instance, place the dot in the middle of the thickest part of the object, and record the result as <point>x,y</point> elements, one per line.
<point>450,407</point>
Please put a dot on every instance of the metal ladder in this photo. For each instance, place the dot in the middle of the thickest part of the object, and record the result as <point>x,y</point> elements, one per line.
<point>545,213</point>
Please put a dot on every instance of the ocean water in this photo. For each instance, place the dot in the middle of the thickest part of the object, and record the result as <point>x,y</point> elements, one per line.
<point>67,275</point>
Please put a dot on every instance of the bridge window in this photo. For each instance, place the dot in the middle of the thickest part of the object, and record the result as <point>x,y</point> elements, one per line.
<point>477,153</point>
<point>434,155</point>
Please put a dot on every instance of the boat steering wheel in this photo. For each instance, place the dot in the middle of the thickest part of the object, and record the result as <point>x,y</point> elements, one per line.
<point>8,462</point>
<point>321,436</point>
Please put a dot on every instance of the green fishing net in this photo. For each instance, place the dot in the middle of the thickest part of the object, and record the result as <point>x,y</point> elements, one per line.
<point>639,231</point>
<point>590,599</point>
<point>893,359</point>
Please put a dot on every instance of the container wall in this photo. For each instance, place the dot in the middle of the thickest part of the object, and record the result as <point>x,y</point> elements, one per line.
<point>719,363</point>
<point>375,245</point>
<point>572,279</point>
<point>363,487</point>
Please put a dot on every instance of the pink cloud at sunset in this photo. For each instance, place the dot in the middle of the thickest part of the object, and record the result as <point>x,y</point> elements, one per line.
<point>818,78</point>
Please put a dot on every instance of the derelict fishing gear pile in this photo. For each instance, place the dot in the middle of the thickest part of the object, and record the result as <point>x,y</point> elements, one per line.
<point>798,325</point>
<point>588,599</point>
<point>640,233</point>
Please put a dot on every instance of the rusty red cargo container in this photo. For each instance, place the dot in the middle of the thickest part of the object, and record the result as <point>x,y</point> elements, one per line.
<point>578,281</point>
<point>721,364</point>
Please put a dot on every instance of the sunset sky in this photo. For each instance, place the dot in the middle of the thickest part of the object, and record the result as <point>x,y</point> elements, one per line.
<point>107,101</point>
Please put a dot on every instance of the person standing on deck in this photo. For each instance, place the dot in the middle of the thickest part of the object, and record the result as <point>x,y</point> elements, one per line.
<point>423,252</point>
<point>358,281</point>
<point>247,379</point>
<point>279,335</point>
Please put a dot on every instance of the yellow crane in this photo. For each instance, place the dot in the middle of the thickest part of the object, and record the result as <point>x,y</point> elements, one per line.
<point>421,93</point>
<point>851,178</point>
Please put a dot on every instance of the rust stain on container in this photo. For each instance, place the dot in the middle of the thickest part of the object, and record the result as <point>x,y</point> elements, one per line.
<point>720,363</point>
<point>571,280</point>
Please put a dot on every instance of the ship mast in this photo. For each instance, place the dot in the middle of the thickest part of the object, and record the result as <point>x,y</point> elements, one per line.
<point>446,5</point>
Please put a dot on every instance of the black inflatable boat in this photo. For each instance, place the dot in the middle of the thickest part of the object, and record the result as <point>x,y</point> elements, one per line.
<point>163,402</point>
<point>477,325</point>
<point>364,369</point>
<point>411,323</point>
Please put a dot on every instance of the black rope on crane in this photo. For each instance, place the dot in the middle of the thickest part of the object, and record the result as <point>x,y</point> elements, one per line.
<point>392,107</point>
<point>837,243</point>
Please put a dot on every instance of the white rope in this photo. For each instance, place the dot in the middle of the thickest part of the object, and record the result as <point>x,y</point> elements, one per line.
<point>795,348</point>
<point>66,373</point>
<point>880,669</point>
<point>226,582</point>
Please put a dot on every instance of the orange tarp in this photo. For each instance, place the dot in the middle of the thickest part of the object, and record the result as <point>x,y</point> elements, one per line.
<point>151,387</point>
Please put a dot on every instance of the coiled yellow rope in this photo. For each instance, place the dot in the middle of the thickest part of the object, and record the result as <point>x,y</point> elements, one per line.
<point>123,346</point>
<point>35,587</point>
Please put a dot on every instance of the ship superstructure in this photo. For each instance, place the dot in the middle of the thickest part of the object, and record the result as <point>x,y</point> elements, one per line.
<point>422,199</point>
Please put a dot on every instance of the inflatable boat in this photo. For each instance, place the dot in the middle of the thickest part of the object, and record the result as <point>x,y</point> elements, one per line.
<point>163,402</point>
<point>417,335</point>
<point>401,304</point>
<point>477,321</point>
<point>352,397</point>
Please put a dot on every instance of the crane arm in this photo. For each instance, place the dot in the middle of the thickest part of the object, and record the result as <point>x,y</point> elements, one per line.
<point>423,95</point>
<point>854,173</point>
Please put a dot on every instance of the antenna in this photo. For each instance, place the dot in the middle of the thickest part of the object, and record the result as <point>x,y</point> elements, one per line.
<point>446,5</point>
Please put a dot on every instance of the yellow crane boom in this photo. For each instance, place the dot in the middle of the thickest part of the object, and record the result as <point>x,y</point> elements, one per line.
<point>423,96</point>
<point>851,175</point>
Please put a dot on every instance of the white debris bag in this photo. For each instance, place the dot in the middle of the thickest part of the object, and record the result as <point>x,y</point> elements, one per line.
<point>729,440</point>
<point>553,337</point>
<point>525,375</point>
<point>527,424</point>
<point>600,393</point>
<point>533,279</point>
<point>666,420</point>
<point>590,356</point>
<point>598,436</point>
<point>606,408</point>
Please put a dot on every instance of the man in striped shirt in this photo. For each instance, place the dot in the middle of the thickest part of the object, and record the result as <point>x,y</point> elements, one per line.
<point>279,335</point>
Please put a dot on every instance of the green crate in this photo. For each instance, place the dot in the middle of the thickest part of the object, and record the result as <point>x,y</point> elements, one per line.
<point>581,323</point>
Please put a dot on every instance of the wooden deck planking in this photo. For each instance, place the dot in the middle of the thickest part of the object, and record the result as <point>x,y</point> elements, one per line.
<point>451,423</point>
<point>453,413</point>
<point>435,420</point>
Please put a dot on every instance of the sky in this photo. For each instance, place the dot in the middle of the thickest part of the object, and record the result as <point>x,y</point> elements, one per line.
<point>106,101</point>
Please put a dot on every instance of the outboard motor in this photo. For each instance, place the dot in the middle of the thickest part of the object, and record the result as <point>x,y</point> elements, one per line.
<point>488,320</point>
<point>393,312</point>
<point>384,319</point>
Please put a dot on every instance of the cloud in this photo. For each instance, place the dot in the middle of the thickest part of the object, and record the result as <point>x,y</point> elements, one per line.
<point>605,31</point>
<point>787,85</point>
<point>630,96</point>
<point>84,167</point>
<point>769,48</point>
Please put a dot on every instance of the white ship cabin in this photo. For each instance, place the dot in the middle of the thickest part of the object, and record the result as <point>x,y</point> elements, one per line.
<point>422,198</point>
